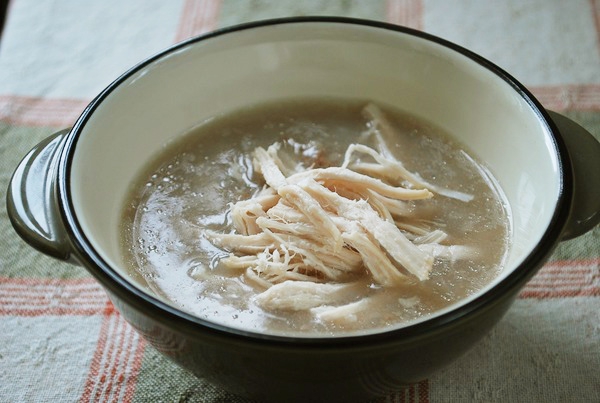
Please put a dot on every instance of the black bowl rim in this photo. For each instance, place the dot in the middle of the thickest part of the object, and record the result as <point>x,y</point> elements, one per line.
<point>182,321</point>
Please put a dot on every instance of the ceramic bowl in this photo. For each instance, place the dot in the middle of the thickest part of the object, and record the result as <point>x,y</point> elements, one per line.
<point>66,197</point>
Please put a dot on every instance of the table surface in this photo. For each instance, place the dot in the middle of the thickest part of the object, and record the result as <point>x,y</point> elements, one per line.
<point>60,339</point>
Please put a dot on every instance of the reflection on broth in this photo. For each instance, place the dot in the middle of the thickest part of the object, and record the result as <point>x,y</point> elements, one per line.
<point>315,217</point>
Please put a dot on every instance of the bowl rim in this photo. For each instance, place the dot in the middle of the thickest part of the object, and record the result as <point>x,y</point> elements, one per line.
<point>120,287</point>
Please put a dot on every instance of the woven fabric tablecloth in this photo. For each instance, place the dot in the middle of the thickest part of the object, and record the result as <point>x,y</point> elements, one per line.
<point>60,338</point>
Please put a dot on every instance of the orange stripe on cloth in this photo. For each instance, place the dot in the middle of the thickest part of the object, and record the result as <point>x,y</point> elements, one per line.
<point>116,362</point>
<point>408,13</point>
<point>197,17</point>
<point>35,111</point>
<point>51,297</point>
<point>562,279</point>
<point>583,97</point>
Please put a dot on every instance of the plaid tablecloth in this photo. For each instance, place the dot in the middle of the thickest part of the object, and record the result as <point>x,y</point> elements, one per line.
<point>60,338</point>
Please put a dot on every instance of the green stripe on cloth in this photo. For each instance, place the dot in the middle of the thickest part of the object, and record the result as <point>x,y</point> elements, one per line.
<point>159,377</point>
<point>583,247</point>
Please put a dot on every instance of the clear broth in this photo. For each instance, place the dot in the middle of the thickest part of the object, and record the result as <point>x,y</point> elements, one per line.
<point>189,186</point>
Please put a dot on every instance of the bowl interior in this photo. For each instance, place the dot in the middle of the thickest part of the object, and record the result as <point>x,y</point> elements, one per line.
<point>164,98</point>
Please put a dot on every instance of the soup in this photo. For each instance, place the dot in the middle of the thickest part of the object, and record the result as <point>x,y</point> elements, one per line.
<point>315,217</point>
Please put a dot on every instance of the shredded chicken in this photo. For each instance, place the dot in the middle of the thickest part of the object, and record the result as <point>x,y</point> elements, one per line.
<point>341,314</point>
<point>391,166</point>
<point>306,236</point>
<point>300,295</point>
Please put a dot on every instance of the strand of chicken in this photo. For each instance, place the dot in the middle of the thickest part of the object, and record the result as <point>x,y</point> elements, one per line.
<point>309,233</point>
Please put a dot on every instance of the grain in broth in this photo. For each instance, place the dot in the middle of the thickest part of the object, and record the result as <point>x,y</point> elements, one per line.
<point>183,199</point>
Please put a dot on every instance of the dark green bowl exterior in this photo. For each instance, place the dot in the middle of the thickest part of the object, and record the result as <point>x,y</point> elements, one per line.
<point>343,371</point>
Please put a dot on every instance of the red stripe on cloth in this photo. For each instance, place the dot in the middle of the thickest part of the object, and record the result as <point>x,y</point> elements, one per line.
<point>424,391</point>
<point>91,381</point>
<point>197,17</point>
<point>555,294</point>
<point>48,281</point>
<point>35,111</point>
<point>585,97</point>
<point>106,355</point>
<point>116,363</point>
<point>408,13</point>
<point>56,297</point>
<point>134,370</point>
<point>563,279</point>
<point>110,390</point>
<point>415,393</point>
<point>118,357</point>
<point>576,282</point>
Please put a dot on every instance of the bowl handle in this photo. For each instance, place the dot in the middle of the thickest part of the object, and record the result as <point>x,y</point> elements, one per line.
<point>584,152</point>
<point>32,202</point>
